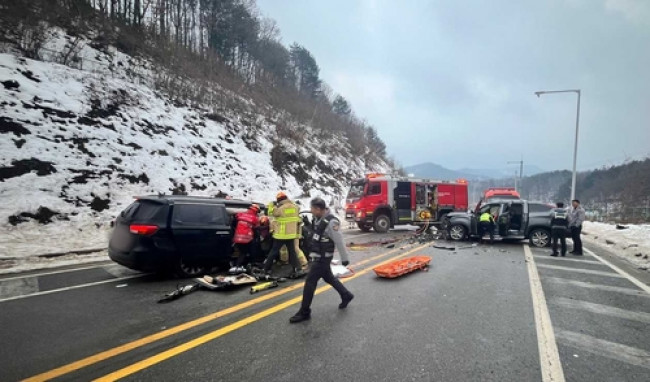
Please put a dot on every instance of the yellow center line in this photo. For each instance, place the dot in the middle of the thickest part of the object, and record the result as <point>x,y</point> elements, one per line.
<point>110,353</point>
<point>155,359</point>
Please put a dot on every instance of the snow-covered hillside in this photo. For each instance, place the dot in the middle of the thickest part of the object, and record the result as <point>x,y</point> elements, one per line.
<point>77,144</point>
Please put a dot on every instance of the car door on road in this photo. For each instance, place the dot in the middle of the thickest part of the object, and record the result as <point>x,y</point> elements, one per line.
<point>201,231</point>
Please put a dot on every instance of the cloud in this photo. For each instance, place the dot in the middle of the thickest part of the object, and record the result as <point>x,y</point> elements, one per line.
<point>488,92</point>
<point>367,92</point>
<point>370,15</point>
<point>637,11</point>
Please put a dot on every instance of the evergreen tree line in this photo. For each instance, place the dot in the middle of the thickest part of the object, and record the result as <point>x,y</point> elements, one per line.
<point>623,188</point>
<point>203,39</point>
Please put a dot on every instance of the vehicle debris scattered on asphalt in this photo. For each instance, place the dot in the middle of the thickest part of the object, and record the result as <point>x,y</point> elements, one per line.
<point>454,248</point>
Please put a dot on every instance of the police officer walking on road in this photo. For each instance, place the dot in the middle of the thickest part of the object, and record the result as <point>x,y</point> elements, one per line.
<point>559,226</point>
<point>326,238</point>
<point>576,218</point>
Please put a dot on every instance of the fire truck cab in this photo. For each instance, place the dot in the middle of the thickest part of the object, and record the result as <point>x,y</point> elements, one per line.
<point>380,201</point>
<point>506,193</point>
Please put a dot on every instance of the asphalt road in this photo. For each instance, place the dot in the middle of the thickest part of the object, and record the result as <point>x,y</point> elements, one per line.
<point>471,317</point>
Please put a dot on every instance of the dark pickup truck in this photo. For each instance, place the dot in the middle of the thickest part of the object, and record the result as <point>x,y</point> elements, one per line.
<point>515,220</point>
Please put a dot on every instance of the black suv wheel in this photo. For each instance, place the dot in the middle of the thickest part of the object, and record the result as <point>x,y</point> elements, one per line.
<point>185,269</point>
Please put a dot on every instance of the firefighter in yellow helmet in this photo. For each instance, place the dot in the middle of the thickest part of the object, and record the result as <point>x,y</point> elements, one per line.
<point>285,227</point>
<point>284,252</point>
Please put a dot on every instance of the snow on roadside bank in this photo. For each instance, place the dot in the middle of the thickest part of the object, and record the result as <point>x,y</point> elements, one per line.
<point>631,244</point>
<point>25,264</point>
<point>77,144</point>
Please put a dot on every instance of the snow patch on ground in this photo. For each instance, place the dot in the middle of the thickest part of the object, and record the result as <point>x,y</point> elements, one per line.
<point>76,144</point>
<point>631,244</point>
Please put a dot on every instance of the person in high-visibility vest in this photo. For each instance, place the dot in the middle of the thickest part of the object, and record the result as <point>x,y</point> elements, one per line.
<point>284,252</point>
<point>285,224</point>
<point>302,259</point>
<point>486,223</point>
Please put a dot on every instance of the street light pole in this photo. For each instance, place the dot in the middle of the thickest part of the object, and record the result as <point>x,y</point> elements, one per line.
<point>521,173</point>
<point>575,146</point>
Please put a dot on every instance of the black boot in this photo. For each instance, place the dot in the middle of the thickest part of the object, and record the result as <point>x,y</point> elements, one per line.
<point>346,300</point>
<point>297,273</point>
<point>300,316</point>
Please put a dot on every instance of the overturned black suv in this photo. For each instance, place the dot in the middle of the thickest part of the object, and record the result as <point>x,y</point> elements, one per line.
<point>185,234</point>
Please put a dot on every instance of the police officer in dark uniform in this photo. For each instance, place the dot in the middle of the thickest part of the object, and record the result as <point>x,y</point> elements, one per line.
<point>559,227</point>
<point>326,238</point>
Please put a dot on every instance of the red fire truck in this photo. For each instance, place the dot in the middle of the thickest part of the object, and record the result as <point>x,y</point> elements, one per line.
<point>380,201</point>
<point>500,193</point>
<point>497,193</point>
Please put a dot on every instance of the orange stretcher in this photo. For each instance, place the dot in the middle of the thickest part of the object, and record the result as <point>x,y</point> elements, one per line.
<point>403,266</point>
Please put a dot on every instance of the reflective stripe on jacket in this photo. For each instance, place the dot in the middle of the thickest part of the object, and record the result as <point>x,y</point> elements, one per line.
<point>286,221</point>
<point>486,217</point>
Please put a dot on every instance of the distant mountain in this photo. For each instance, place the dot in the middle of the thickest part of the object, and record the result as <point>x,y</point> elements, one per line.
<point>436,171</point>
<point>490,173</point>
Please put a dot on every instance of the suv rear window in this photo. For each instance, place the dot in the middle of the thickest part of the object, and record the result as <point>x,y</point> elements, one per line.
<point>199,214</point>
<point>143,210</point>
<point>539,207</point>
<point>130,210</point>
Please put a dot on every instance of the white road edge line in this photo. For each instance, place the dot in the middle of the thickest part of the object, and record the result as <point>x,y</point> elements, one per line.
<point>549,358</point>
<point>56,272</point>
<point>635,281</point>
<point>69,288</point>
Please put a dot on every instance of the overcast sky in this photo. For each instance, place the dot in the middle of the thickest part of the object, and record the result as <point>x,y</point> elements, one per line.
<point>452,81</point>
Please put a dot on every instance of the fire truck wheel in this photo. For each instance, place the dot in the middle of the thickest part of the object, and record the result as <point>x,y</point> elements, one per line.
<point>364,227</point>
<point>382,224</point>
<point>457,232</point>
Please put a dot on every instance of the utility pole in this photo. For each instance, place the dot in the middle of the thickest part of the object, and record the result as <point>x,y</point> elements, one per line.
<point>575,146</point>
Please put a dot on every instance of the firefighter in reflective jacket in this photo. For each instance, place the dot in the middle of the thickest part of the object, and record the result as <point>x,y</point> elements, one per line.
<point>284,228</point>
<point>247,222</point>
<point>284,253</point>
<point>326,238</point>
<point>486,223</point>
